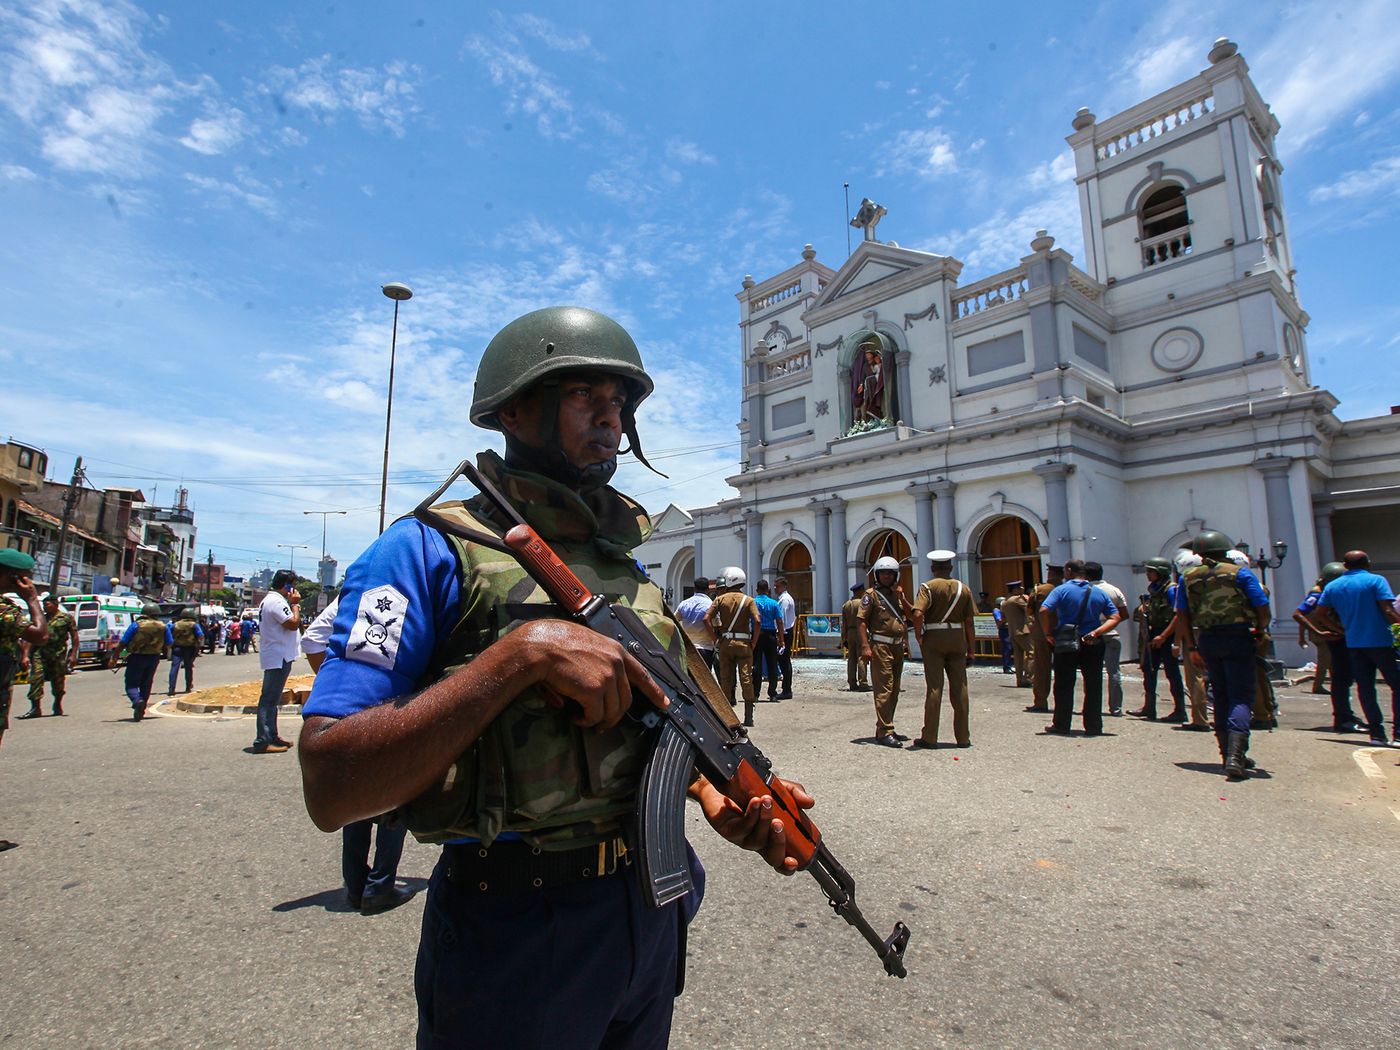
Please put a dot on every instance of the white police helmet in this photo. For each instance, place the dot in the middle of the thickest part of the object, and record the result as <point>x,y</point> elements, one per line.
<point>885,564</point>
<point>731,576</point>
<point>1240,558</point>
<point>1187,560</point>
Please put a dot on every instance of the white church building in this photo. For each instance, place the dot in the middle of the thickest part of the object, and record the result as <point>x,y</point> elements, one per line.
<point>1106,410</point>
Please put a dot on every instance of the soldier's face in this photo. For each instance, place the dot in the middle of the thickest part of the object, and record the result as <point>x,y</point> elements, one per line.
<point>590,418</point>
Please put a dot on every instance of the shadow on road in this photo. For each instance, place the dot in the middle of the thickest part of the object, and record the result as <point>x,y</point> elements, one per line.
<point>1216,769</point>
<point>334,900</point>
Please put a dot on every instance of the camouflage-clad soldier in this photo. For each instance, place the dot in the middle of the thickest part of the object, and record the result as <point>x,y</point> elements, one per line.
<point>1042,652</point>
<point>186,635</point>
<point>51,661</point>
<point>857,667</point>
<point>1015,613</point>
<point>453,691</point>
<point>16,628</point>
<point>884,626</point>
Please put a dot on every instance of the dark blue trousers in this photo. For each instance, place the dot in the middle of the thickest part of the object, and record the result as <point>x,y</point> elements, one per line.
<point>1365,662</point>
<point>1161,658</point>
<point>362,880</point>
<point>1229,657</point>
<point>578,967</point>
<point>140,676</point>
<point>1340,684</point>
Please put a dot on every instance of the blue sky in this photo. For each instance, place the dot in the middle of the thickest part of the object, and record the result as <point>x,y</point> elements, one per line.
<point>200,202</point>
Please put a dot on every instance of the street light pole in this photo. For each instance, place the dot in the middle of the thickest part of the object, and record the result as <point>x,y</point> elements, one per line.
<point>324,515</point>
<point>399,293</point>
<point>294,547</point>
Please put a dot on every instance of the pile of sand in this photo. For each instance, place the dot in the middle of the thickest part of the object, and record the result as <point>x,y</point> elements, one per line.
<point>245,694</point>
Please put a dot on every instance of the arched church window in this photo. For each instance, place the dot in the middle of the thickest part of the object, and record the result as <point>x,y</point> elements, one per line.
<point>1165,225</point>
<point>871,393</point>
<point>1292,352</point>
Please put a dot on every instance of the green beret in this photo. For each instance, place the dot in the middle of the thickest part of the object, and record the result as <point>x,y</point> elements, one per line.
<point>16,560</point>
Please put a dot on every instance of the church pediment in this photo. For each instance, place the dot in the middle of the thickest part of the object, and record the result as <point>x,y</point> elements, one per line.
<point>874,263</point>
<point>671,519</point>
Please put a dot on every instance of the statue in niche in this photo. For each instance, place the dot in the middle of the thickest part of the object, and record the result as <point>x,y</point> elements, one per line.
<point>870,387</point>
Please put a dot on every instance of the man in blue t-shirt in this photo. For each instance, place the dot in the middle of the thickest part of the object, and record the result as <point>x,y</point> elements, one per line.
<point>1333,662</point>
<point>770,632</point>
<point>1092,614</point>
<point>1360,604</point>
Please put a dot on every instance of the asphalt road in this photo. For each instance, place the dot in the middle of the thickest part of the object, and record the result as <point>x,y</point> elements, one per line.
<point>169,890</point>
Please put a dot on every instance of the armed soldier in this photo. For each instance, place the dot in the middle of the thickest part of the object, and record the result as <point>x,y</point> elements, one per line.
<point>1015,613</point>
<point>943,611</point>
<point>186,635</point>
<point>51,661</point>
<point>1157,620</point>
<point>148,637</point>
<point>16,629</point>
<point>454,691</point>
<point>1042,650</point>
<point>734,619</point>
<point>857,666</point>
<point>1224,609</point>
<point>884,627</point>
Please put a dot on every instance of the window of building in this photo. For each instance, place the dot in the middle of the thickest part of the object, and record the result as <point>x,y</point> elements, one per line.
<point>1165,225</point>
<point>26,459</point>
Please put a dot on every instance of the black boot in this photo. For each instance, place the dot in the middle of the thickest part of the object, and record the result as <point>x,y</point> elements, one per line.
<point>33,712</point>
<point>1235,747</point>
<point>58,706</point>
<point>748,713</point>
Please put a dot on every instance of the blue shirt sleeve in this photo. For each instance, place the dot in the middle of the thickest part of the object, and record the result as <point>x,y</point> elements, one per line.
<point>1310,602</point>
<point>421,566</point>
<point>198,631</point>
<point>169,635</point>
<point>1249,584</point>
<point>129,632</point>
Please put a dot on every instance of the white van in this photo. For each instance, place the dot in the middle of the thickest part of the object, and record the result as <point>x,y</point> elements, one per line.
<point>102,619</point>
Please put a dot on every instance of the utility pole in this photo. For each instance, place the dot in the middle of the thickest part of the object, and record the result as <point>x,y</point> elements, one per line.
<point>292,563</point>
<point>208,575</point>
<point>69,502</point>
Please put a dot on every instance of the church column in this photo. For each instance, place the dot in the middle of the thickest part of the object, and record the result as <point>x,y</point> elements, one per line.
<point>840,574</point>
<point>1278,500</point>
<point>845,412</point>
<point>946,534</point>
<point>753,531</point>
<point>1056,478</point>
<point>821,562</point>
<point>1322,526</point>
<point>699,547</point>
<point>923,525</point>
<point>906,404</point>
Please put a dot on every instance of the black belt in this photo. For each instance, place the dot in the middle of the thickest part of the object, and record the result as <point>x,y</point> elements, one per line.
<point>517,867</point>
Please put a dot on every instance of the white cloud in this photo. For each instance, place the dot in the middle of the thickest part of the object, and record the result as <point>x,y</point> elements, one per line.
<point>1158,66</point>
<point>926,153</point>
<point>1056,171</point>
<point>378,97</point>
<point>246,189</point>
<point>1382,177</point>
<point>1001,239</point>
<point>218,131</point>
<point>17,173</point>
<point>554,38</point>
<point>683,152</point>
<point>529,89</point>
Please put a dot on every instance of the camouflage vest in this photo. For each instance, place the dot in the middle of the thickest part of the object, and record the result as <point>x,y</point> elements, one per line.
<point>534,772</point>
<point>1159,608</point>
<point>12,625</point>
<point>61,631</point>
<point>149,637</point>
<point>183,632</point>
<point>1214,595</point>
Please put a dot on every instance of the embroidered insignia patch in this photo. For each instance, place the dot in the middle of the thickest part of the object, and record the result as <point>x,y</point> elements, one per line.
<point>374,639</point>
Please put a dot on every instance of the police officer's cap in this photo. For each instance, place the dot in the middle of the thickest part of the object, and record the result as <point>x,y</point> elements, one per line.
<point>857,588</point>
<point>15,561</point>
<point>941,555</point>
<point>1013,585</point>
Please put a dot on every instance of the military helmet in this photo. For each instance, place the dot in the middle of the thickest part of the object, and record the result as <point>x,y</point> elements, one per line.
<point>1211,544</point>
<point>1331,571</point>
<point>544,342</point>
<point>1158,565</point>
<point>885,564</point>
<point>731,576</point>
<point>151,611</point>
<point>189,614</point>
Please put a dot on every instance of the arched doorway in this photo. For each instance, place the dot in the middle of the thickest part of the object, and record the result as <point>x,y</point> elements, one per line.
<point>891,543</point>
<point>795,565</point>
<point>680,581</point>
<point>1008,550</point>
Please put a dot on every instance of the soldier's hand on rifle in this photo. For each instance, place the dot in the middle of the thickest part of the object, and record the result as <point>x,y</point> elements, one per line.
<point>755,826</point>
<point>573,665</point>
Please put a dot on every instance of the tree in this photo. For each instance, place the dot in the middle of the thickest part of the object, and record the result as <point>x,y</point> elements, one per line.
<point>225,596</point>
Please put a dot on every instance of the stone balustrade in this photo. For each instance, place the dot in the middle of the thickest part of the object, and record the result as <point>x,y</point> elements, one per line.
<point>1156,127</point>
<point>1168,246</point>
<point>989,293</point>
<point>790,365</point>
<point>1085,285</point>
<point>763,302</point>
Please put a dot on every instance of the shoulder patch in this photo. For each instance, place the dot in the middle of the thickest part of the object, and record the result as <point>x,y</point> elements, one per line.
<point>865,599</point>
<point>374,637</point>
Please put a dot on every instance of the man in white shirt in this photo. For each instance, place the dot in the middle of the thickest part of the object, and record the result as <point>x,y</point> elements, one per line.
<point>691,614</point>
<point>789,607</point>
<point>1112,643</point>
<point>281,641</point>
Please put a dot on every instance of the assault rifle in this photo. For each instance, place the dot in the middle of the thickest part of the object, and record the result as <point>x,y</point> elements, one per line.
<point>689,734</point>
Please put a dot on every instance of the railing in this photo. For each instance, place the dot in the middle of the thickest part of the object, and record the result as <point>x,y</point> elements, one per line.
<point>1085,285</point>
<point>989,293</point>
<point>1168,246</point>
<point>790,365</point>
<point>768,300</point>
<point>1157,127</point>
